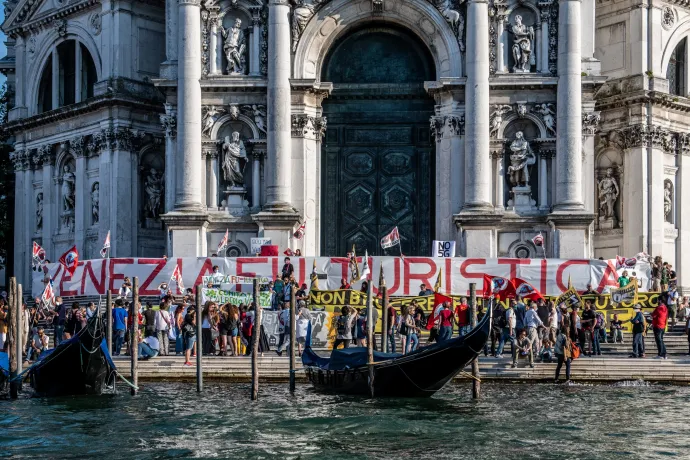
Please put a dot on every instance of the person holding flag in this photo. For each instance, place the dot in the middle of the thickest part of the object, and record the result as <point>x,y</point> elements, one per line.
<point>177,278</point>
<point>433,323</point>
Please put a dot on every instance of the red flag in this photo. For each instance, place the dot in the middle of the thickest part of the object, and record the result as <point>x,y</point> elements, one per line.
<point>526,290</point>
<point>223,243</point>
<point>38,255</point>
<point>288,252</point>
<point>70,260</point>
<point>501,288</point>
<point>391,239</point>
<point>538,240</point>
<point>439,300</point>
<point>48,295</point>
<point>299,233</point>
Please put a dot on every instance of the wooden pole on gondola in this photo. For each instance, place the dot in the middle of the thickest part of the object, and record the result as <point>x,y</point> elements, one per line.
<point>13,333</point>
<point>256,337</point>
<point>134,335</point>
<point>199,340</point>
<point>476,382</point>
<point>384,311</point>
<point>109,320</point>
<point>370,337</point>
<point>292,339</point>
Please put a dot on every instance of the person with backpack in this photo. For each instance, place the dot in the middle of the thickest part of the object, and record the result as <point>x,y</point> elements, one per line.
<point>343,327</point>
<point>638,329</point>
<point>563,349</point>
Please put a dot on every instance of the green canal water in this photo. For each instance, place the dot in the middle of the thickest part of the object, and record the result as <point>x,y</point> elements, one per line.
<point>170,420</point>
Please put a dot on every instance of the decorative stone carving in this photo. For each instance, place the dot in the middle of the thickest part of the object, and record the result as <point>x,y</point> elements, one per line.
<point>124,139</point>
<point>234,111</point>
<point>153,186</point>
<point>668,18</point>
<point>263,45</point>
<point>455,124</point>
<point>169,120</point>
<point>547,112</point>
<point>19,160</point>
<point>67,187</point>
<point>320,124</point>
<point>39,212</point>
<point>302,12</point>
<point>496,118</point>
<point>590,122</point>
<point>521,158</point>
<point>95,23</point>
<point>608,192</point>
<point>455,19</point>
<point>377,6</point>
<point>95,202</point>
<point>258,113</point>
<point>234,155</point>
<point>60,26</point>
<point>45,153</point>
<point>31,46</point>
<point>436,127</point>
<point>305,126</point>
<point>77,146</point>
<point>522,47</point>
<point>234,48</point>
<point>668,201</point>
<point>210,115</point>
<point>521,110</point>
<point>553,38</point>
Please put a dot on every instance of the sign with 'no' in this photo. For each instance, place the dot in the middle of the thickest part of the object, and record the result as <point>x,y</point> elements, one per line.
<point>443,249</point>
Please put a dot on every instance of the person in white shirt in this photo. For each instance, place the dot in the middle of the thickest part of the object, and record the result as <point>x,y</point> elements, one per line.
<point>301,325</point>
<point>39,343</point>
<point>163,324</point>
<point>126,289</point>
<point>508,331</point>
<point>553,323</point>
<point>148,347</point>
<point>533,322</point>
<point>283,328</point>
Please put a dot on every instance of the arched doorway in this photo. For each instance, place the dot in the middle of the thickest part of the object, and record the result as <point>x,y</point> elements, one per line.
<point>377,157</point>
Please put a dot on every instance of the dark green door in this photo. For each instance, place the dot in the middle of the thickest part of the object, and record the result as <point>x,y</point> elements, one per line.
<point>377,164</point>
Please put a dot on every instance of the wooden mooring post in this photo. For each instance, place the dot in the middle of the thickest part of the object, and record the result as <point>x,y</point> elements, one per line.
<point>370,337</point>
<point>256,337</point>
<point>109,320</point>
<point>199,340</point>
<point>134,336</point>
<point>384,311</point>
<point>293,310</point>
<point>476,382</point>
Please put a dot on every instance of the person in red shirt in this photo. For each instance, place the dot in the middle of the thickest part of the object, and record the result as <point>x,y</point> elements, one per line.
<point>462,317</point>
<point>140,324</point>
<point>659,318</point>
<point>447,319</point>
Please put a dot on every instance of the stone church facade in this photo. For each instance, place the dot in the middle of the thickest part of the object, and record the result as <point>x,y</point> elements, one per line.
<point>167,122</point>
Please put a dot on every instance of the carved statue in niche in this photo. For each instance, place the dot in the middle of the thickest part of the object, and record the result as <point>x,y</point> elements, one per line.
<point>68,181</point>
<point>234,47</point>
<point>668,200</point>
<point>39,211</point>
<point>95,202</point>
<point>454,18</point>
<point>153,186</point>
<point>497,118</point>
<point>210,116</point>
<point>547,113</point>
<point>522,47</point>
<point>521,158</point>
<point>608,194</point>
<point>234,160</point>
<point>301,14</point>
<point>259,114</point>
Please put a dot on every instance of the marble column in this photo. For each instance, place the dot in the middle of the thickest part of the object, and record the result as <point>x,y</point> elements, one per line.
<point>278,189</point>
<point>21,255</point>
<point>45,154</point>
<point>255,41</point>
<point>188,191</point>
<point>477,159</point>
<point>212,172</point>
<point>536,46</point>
<point>545,41</point>
<point>256,179</point>
<point>500,180</point>
<point>543,183</point>
<point>214,46</point>
<point>82,204</point>
<point>569,110</point>
<point>55,79</point>
<point>500,44</point>
<point>77,71</point>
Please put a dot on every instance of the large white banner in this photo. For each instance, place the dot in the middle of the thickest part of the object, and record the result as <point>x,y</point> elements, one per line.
<point>403,276</point>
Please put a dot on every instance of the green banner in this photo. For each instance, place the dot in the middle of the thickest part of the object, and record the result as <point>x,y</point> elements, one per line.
<point>222,297</point>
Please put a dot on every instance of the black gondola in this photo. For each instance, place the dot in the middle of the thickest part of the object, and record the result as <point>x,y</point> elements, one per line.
<point>417,374</point>
<point>80,365</point>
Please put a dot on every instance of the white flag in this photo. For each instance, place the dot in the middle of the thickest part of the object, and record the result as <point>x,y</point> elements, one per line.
<point>366,271</point>
<point>223,243</point>
<point>443,249</point>
<point>106,245</point>
<point>391,239</point>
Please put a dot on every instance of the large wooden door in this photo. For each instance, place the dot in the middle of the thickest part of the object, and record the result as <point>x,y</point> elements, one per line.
<point>377,155</point>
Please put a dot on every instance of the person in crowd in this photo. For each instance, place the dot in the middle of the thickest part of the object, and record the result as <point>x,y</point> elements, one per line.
<point>179,322</point>
<point>302,293</point>
<point>665,272</point>
<point>59,318</point>
<point>217,275</point>
<point>659,320</point>
<point>671,299</point>
<point>284,329</point>
<point>189,336</point>
<point>298,253</point>
<point>288,270</point>
<point>126,288</point>
<point>344,284</point>
<point>258,332</point>
<point>599,328</point>
<point>543,313</point>
<point>520,312</point>
<point>638,329</point>
<point>344,323</point>
<point>278,294</point>
<point>524,348</point>
<point>119,326</point>
<point>533,323</point>
<point>546,353</point>
<point>393,325</point>
<point>233,327</point>
<point>302,326</point>
<point>497,325</point>
<point>623,280</point>
<point>39,344</point>
<point>587,322</point>
<point>563,351</point>
<point>91,310</point>
<point>553,322</point>
<point>577,333</point>
<point>401,327</point>
<point>684,310</point>
<point>288,283</point>
<point>616,329</point>
<point>223,317</point>
<point>424,291</point>
<point>73,325</point>
<point>209,327</point>
<point>149,320</point>
<point>508,331</point>
<point>589,290</point>
<point>411,329</point>
<point>163,324</point>
<point>3,323</point>
<point>447,320</point>
<point>462,317</point>
<point>148,347</point>
<point>365,287</point>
